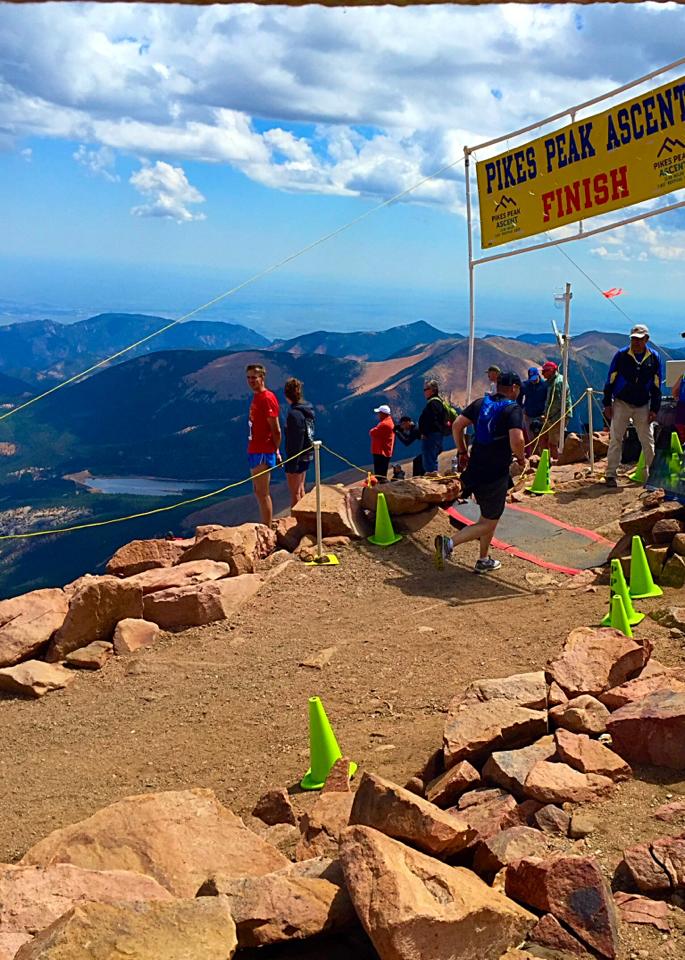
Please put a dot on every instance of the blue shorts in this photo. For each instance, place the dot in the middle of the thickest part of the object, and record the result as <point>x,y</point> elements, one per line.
<point>261,460</point>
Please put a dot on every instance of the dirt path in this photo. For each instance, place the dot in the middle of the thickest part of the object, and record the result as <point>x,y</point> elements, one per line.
<point>225,706</point>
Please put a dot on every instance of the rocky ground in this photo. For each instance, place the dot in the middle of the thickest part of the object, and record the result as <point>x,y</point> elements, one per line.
<point>384,639</point>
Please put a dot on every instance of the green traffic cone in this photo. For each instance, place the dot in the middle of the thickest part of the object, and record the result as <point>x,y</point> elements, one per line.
<point>323,748</point>
<point>619,620</point>
<point>674,467</point>
<point>639,474</point>
<point>541,482</point>
<point>641,581</point>
<point>384,535</point>
<point>676,445</point>
<point>619,587</point>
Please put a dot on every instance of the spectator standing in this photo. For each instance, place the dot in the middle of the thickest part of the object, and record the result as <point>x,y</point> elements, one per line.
<point>408,433</point>
<point>533,400</point>
<point>382,442</point>
<point>498,421</point>
<point>264,438</point>
<point>299,433</point>
<point>632,392</point>
<point>548,438</point>
<point>679,395</point>
<point>432,426</point>
<point>492,373</point>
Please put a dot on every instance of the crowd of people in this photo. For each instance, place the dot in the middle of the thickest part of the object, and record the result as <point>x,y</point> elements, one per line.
<point>509,422</point>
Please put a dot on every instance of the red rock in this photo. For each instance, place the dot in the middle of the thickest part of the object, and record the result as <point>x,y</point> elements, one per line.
<point>678,544</point>
<point>644,871</point>
<point>668,617</point>
<point>142,555</point>
<point>673,574</point>
<point>548,932</point>
<point>632,908</point>
<point>572,889</point>
<point>413,906</point>
<point>28,622</point>
<point>641,522</point>
<point>507,846</point>
<point>526,689</point>
<point>288,533</point>
<point>195,605</point>
<point>494,811</point>
<point>338,779</point>
<point>184,575</point>
<point>668,812</point>
<point>583,714</point>
<point>130,635</point>
<point>341,513</point>
<point>445,790</point>
<point>665,530</point>
<point>321,826</point>
<point>92,657</point>
<point>590,756</point>
<point>509,768</point>
<point>595,659</point>
<point>670,851</point>
<point>412,495</point>
<point>559,783</point>
<point>178,837</point>
<point>473,729</point>
<point>656,558</point>
<point>641,687</point>
<point>35,678</point>
<point>651,731</point>
<point>240,547</point>
<point>275,807</point>
<point>31,898</point>
<point>94,610</point>
<point>552,819</point>
<point>383,805</point>
<point>555,695</point>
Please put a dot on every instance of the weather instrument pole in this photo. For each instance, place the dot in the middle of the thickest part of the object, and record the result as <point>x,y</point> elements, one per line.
<point>564,366</point>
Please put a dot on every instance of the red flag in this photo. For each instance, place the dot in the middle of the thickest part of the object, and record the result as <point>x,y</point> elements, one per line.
<point>614,292</point>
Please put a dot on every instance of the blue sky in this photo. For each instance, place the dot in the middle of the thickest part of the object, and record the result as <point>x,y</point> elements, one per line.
<point>151,157</point>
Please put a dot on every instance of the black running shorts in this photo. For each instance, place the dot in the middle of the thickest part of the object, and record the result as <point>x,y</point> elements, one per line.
<point>492,497</point>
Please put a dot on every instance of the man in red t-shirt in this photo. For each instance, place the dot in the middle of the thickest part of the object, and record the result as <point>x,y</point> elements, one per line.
<point>264,438</point>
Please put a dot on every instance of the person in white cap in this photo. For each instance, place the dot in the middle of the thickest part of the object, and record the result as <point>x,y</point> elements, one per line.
<point>632,392</point>
<point>382,442</point>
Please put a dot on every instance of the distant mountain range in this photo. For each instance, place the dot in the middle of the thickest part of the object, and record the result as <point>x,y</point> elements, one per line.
<point>406,340</point>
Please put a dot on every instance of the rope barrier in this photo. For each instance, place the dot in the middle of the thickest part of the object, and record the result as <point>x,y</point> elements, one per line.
<point>149,513</point>
<point>548,429</point>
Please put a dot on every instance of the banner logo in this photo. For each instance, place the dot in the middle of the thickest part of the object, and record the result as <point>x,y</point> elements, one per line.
<point>632,152</point>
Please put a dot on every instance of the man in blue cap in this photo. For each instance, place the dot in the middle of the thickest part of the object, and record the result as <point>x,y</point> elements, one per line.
<point>532,398</point>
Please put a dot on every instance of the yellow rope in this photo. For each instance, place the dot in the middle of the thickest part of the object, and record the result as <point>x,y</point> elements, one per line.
<point>148,513</point>
<point>548,429</point>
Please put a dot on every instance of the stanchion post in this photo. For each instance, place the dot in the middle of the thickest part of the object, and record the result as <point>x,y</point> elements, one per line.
<point>590,430</point>
<point>317,479</point>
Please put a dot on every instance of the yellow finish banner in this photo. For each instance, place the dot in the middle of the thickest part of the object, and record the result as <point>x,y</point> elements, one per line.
<point>635,151</point>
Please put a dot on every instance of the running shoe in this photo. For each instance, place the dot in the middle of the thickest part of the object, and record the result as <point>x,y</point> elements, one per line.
<point>443,548</point>
<point>486,565</point>
<point>611,482</point>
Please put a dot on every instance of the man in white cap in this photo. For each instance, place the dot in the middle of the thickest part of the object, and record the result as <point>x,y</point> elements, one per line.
<point>632,392</point>
<point>382,442</point>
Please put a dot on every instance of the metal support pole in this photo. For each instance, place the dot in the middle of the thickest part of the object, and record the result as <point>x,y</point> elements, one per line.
<point>317,479</point>
<point>590,430</point>
<point>564,374</point>
<point>472,302</point>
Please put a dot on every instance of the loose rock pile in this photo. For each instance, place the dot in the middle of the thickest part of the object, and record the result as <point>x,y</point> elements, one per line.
<point>471,860</point>
<point>661,525</point>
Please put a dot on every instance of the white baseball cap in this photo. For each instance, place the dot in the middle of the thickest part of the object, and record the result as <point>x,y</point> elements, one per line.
<point>384,408</point>
<point>640,330</point>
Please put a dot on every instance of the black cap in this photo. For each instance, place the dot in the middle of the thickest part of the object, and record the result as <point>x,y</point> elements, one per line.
<point>508,379</point>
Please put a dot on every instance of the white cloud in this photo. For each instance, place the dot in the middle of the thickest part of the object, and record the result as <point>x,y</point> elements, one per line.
<point>27,154</point>
<point>98,162</point>
<point>167,191</point>
<point>644,241</point>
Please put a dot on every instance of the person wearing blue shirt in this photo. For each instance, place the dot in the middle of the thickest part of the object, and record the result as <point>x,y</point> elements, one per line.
<point>533,399</point>
<point>632,392</point>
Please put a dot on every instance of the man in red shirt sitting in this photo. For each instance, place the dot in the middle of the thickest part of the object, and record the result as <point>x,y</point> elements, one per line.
<point>264,438</point>
<point>382,442</point>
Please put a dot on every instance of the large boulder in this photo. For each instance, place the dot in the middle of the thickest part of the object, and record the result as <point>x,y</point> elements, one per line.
<point>303,900</point>
<point>643,686</point>
<point>651,731</point>
<point>526,689</point>
<point>595,659</point>
<point>590,756</point>
<point>185,575</point>
<point>641,521</point>
<point>31,898</point>
<point>201,929</point>
<point>139,555</point>
<point>192,606</point>
<point>413,495</point>
<point>400,814</point>
<point>573,890</point>
<point>510,768</point>
<point>179,837</point>
<point>340,513</point>
<point>95,608</point>
<point>474,729</point>
<point>240,547</point>
<point>35,678</point>
<point>28,622</point>
<point>412,906</point>
<point>559,783</point>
